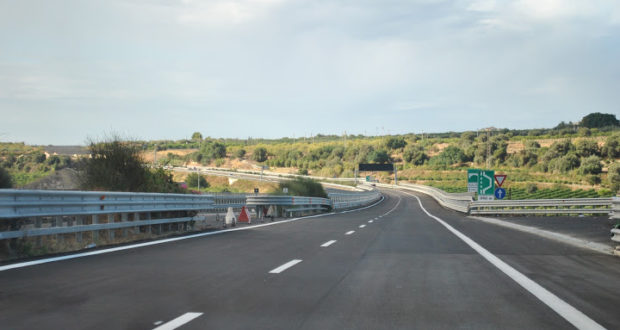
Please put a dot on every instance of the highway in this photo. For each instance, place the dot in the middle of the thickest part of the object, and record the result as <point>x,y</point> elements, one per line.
<point>402,264</point>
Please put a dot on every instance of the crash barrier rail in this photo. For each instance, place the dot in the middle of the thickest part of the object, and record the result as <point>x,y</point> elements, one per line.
<point>615,214</point>
<point>543,206</point>
<point>344,200</point>
<point>454,201</point>
<point>29,213</point>
<point>463,202</point>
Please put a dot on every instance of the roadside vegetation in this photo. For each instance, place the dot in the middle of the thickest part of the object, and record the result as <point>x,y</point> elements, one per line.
<point>577,157</point>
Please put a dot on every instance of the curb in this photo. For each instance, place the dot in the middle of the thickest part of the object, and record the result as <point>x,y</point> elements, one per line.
<point>563,238</point>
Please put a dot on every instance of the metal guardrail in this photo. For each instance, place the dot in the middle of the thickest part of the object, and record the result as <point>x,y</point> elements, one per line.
<point>615,214</point>
<point>543,206</point>
<point>458,202</point>
<point>22,211</point>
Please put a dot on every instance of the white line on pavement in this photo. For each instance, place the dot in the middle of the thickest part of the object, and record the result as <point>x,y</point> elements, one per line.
<point>362,226</point>
<point>349,232</point>
<point>179,321</point>
<point>568,312</point>
<point>285,266</point>
<point>369,221</point>
<point>328,243</point>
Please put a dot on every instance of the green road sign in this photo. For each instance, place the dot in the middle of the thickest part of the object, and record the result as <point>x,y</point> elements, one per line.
<point>473,176</point>
<point>486,185</point>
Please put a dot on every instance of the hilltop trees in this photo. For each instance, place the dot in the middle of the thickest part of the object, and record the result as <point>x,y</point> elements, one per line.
<point>597,120</point>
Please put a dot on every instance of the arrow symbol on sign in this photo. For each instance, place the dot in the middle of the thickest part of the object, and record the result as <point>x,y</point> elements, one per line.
<point>484,191</point>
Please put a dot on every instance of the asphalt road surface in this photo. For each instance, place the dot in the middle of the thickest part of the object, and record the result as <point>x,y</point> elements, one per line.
<point>392,266</point>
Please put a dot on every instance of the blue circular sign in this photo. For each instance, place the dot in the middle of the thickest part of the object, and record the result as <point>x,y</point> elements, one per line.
<point>500,193</point>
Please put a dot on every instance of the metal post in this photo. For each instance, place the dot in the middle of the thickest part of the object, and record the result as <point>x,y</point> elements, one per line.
<point>124,218</point>
<point>111,219</point>
<point>95,233</point>
<point>395,175</point>
<point>78,235</point>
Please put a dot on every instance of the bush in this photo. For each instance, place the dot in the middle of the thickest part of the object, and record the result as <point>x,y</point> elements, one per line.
<point>593,179</point>
<point>450,155</point>
<point>395,143</point>
<point>193,178</point>
<point>304,187</point>
<point>5,179</point>
<point>240,153</point>
<point>586,148</point>
<point>531,188</point>
<point>415,155</point>
<point>591,165</point>
<point>379,156</point>
<point>116,165</point>
<point>613,177</point>
<point>259,154</point>
<point>611,148</point>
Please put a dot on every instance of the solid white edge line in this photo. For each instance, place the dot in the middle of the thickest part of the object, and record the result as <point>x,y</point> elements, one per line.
<point>349,232</point>
<point>179,321</point>
<point>328,243</point>
<point>168,240</point>
<point>362,226</point>
<point>566,239</point>
<point>565,310</point>
<point>284,267</point>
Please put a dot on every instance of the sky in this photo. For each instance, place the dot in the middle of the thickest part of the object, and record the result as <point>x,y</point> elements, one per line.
<point>154,69</point>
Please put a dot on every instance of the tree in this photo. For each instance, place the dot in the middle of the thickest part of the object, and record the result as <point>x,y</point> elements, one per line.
<point>586,148</point>
<point>193,178</point>
<point>379,156</point>
<point>613,177</point>
<point>197,136</point>
<point>116,165</point>
<point>597,119</point>
<point>395,142</point>
<point>5,179</point>
<point>259,154</point>
<point>611,148</point>
<point>564,163</point>
<point>415,155</point>
<point>591,165</point>
<point>213,150</point>
<point>240,153</point>
<point>450,155</point>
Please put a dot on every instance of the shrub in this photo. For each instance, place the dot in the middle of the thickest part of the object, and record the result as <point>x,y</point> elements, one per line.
<point>593,179</point>
<point>259,154</point>
<point>450,155</point>
<point>395,143</point>
<point>304,187</point>
<point>586,148</point>
<point>531,188</point>
<point>613,177</point>
<point>591,165</point>
<point>240,153</point>
<point>415,155</point>
<point>193,178</point>
<point>5,179</point>
<point>116,165</point>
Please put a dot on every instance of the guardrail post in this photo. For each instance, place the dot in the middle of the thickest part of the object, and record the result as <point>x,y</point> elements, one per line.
<point>78,235</point>
<point>37,224</point>
<point>136,219</point>
<point>148,217</point>
<point>57,221</point>
<point>111,219</point>
<point>95,233</point>
<point>124,218</point>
